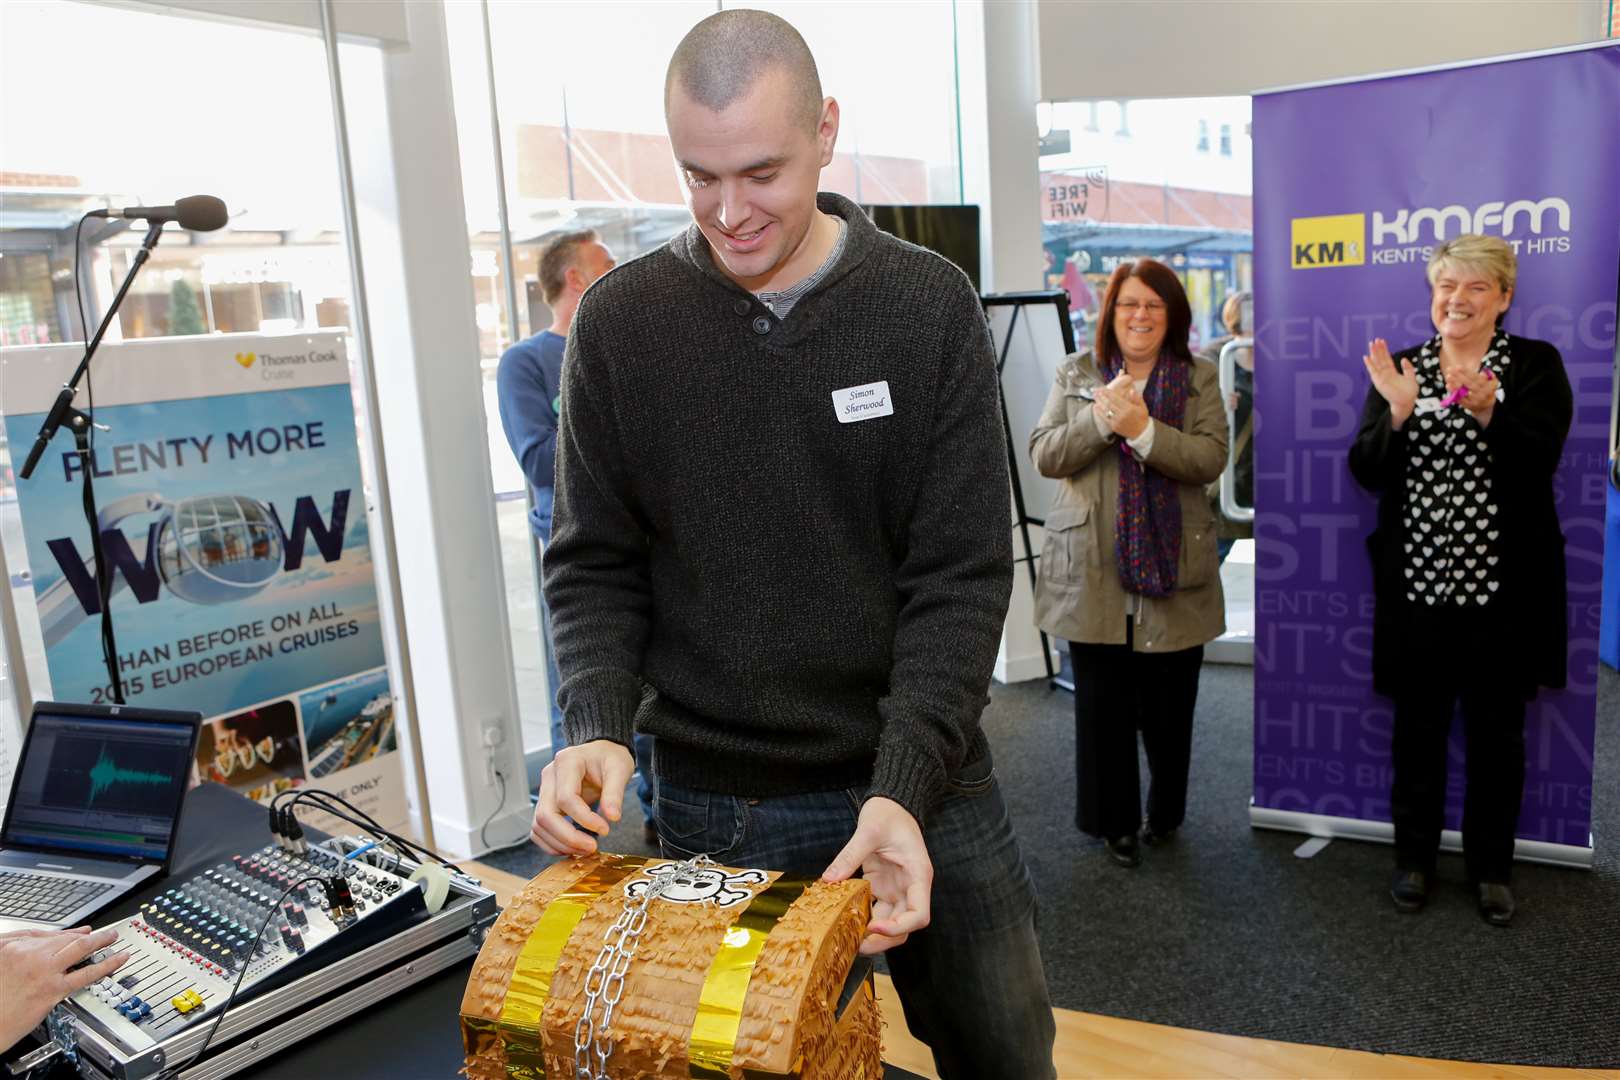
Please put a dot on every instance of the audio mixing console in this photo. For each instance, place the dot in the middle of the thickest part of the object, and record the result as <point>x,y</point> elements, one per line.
<point>190,943</point>
<point>320,909</point>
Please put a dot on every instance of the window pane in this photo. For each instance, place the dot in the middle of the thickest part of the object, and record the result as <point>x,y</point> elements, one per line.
<point>583,146</point>
<point>262,144</point>
<point>1158,194</point>
<point>1159,185</point>
<point>897,137</point>
<point>267,154</point>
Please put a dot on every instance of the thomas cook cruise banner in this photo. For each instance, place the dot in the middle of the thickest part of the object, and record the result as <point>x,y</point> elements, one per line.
<point>233,516</point>
<point>1355,184</point>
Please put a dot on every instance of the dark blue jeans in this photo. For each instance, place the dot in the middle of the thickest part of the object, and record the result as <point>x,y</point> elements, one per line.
<point>971,984</point>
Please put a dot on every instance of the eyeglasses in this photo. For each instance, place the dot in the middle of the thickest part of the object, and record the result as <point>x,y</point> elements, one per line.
<point>1131,307</point>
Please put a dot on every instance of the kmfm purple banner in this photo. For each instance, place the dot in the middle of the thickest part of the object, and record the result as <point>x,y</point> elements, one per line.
<point>1354,186</point>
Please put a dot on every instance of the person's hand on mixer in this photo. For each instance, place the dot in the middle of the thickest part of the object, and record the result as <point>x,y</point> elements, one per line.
<point>888,848</point>
<point>39,972</point>
<point>575,780</point>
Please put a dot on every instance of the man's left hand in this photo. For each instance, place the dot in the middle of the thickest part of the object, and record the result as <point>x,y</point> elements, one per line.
<point>888,847</point>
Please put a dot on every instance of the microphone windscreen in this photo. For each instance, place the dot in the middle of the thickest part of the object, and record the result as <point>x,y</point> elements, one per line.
<point>201,213</point>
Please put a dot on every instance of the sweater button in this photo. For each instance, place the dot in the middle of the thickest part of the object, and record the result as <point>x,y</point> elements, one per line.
<point>762,325</point>
<point>741,306</point>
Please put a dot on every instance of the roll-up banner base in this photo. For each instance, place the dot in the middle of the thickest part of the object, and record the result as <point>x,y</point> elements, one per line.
<point>1344,828</point>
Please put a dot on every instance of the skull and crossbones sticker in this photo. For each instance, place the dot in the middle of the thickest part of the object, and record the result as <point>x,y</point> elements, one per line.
<point>700,885</point>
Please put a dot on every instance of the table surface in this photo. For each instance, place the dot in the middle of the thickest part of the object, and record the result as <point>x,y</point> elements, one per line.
<point>415,1033</point>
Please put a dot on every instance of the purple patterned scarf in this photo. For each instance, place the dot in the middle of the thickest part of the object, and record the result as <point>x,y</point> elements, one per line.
<point>1147,525</point>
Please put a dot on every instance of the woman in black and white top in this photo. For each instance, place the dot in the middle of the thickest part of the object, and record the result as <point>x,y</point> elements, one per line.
<point>1459,439</point>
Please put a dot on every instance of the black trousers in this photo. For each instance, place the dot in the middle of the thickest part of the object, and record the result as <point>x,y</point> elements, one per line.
<point>1459,663</point>
<point>1118,692</point>
<point>1493,732</point>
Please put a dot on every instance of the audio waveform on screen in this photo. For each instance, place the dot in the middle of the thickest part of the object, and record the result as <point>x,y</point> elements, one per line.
<point>106,772</point>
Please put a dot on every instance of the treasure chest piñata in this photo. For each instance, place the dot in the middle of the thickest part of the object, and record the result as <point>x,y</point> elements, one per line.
<point>641,967</point>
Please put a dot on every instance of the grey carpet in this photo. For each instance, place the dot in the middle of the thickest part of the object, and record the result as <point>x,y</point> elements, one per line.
<point>1225,930</point>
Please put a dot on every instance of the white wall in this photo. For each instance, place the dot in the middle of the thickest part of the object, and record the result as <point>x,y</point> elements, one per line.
<point>1176,48</point>
<point>1000,153</point>
<point>1001,173</point>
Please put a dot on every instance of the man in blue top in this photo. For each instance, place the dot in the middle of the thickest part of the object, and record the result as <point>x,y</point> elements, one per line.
<point>530,376</point>
<point>528,384</point>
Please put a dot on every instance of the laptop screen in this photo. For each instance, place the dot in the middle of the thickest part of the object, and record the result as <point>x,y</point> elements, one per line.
<point>101,784</point>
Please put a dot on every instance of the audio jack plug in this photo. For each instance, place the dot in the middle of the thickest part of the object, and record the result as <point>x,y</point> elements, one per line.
<point>295,832</point>
<point>276,828</point>
<point>338,896</point>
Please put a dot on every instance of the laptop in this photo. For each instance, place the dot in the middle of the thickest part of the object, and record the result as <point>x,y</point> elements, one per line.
<point>94,809</point>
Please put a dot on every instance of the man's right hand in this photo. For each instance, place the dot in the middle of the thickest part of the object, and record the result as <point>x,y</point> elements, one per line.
<point>578,777</point>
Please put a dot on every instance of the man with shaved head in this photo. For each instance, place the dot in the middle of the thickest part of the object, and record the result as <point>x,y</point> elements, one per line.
<point>782,548</point>
<point>720,60</point>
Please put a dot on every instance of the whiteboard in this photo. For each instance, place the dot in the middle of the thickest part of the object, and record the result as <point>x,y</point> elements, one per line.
<point>1028,331</point>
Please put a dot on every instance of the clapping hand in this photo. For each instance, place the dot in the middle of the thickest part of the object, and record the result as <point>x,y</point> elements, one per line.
<point>1480,398</point>
<point>1397,385</point>
<point>1121,408</point>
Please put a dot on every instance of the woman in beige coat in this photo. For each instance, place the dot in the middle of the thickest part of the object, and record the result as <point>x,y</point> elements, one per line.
<point>1129,574</point>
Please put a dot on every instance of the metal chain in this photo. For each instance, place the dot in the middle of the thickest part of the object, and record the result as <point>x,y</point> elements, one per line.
<point>604,983</point>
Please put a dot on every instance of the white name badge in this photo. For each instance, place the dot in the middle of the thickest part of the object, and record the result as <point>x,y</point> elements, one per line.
<point>862,402</point>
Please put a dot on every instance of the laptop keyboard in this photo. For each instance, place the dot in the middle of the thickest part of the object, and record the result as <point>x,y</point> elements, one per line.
<point>35,896</point>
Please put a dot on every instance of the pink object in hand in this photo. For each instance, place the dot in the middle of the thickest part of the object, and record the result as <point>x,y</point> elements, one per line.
<point>1462,391</point>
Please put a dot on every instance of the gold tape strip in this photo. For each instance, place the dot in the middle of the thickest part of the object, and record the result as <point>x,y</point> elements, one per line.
<point>530,986</point>
<point>478,1035</point>
<point>720,1005</point>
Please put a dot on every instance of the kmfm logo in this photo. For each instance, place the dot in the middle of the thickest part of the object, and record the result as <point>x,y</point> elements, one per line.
<point>1408,235</point>
<point>1335,240</point>
<point>1406,226</point>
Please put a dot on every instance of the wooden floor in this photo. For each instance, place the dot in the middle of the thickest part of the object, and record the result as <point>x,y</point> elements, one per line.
<point>1101,1046</point>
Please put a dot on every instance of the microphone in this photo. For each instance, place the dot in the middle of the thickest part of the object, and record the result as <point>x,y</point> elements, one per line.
<point>198,213</point>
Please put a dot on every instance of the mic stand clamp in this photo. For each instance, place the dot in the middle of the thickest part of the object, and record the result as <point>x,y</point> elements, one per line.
<point>81,425</point>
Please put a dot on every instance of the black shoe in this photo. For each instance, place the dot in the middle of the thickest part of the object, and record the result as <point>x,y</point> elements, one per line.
<point>1496,903</point>
<point>1153,838</point>
<point>1123,850</point>
<point>649,833</point>
<point>1409,890</point>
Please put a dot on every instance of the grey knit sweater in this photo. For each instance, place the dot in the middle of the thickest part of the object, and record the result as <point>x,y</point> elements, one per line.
<point>788,602</point>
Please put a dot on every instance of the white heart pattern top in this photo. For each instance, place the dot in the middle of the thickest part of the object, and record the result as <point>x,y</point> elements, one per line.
<point>1452,522</point>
